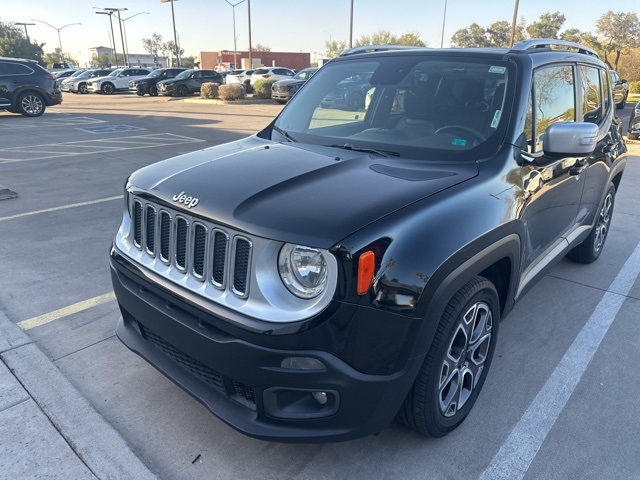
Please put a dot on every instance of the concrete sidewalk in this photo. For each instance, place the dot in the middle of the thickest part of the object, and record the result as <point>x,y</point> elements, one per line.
<point>47,428</point>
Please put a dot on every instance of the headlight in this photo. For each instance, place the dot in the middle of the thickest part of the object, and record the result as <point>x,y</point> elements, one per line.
<point>303,270</point>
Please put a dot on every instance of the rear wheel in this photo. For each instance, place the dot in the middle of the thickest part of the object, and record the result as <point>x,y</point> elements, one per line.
<point>355,101</point>
<point>31,104</point>
<point>622,104</point>
<point>457,363</point>
<point>591,248</point>
<point>182,91</point>
<point>140,91</point>
<point>153,91</point>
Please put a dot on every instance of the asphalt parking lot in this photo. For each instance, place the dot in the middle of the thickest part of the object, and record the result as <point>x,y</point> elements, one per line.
<point>561,400</point>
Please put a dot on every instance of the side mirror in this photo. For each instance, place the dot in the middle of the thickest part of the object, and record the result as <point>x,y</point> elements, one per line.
<point>570,139</point>
<point>622,80</point>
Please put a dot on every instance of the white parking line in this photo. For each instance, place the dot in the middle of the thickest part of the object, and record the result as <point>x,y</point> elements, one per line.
<point>520,448</point>
<point>62,207</point>
<point>87,147</point>
<point>66,311</point>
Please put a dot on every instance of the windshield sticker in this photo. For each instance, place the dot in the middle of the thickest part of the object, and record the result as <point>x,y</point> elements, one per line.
<point>496,119</point>
<point>460,142</point>
<point>496,69</point>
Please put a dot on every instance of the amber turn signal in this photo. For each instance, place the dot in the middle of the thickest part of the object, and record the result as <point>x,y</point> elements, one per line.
<point>366,265</point>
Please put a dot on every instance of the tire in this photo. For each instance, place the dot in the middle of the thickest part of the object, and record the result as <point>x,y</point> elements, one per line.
<point>107,88</point>
<point>281,102</point>
<point>248,87</point>
<point>355,101</point>
<point>590,249</point>
<point>153,91</point>
<point>632,136</point>
<point>82,88</point>
<point>140,91</point>
<point>182,91</point>
<point>30,104</point>
<point>457,363</point>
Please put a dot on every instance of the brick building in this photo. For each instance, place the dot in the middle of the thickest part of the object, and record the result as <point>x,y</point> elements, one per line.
<point>293,60</point>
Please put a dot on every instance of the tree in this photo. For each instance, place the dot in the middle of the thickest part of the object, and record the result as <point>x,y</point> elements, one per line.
<point>188,62</point>
<point>411,39</point>
<point>104,61</point>
<point>385,37</point>
<point>619,32</point>
<point>55,56</point>
<point>548,26</point>
<point>154,45</point>
<point>258,47</point>
<point>472,36</point>
<point>13,43</point>
<point>499,34</point>
<point>169,49</point>
<point>334,48</point>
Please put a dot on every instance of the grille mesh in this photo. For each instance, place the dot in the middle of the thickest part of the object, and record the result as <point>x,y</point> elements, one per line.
<point>193,247</point>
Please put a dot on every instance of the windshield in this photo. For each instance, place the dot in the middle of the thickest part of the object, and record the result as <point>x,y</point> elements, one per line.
<point>84,74</point>
<point>115,73</point>
<point>403,103</point>
<point>156,73</point>
<point>184,74</point>
<point>304,74</point>
<point>77,73</point>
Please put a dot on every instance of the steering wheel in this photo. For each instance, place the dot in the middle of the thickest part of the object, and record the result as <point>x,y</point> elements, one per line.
<point>461,128</point>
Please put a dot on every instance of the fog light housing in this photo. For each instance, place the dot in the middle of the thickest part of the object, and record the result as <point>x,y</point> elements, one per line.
<point>300,403</point>
<point>302,363</point>
<point>320,397</point>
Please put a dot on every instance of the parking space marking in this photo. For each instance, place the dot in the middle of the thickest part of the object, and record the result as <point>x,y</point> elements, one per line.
<point>62,207</point>
<point>62,121</point>
<point>521,447</point>
<point>87,147</point>
<point>66,311</point>
<point>110,129</point>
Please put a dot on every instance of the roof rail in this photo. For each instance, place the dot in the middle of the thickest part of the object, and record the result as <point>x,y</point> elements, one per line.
<point>375,48</point>
<point>546,43</point>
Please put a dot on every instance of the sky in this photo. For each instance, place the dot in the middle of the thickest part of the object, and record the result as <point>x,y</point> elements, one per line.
<point>282,25</point>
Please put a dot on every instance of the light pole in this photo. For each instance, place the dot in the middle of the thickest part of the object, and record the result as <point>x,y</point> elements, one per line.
<point>124,27</point>
<point>175,34</point>
<point>444,18</point>
<point>25,28</point>
<point>513,24</point>
<point>250,49</point>
<point>235,47</point>
<point>118,10</point>
<point>113,38</point>
<point>58,29</point>
<point>351,27</point>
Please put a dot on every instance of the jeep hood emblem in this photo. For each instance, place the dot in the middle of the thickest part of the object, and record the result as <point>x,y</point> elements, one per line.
<point>187,200</point>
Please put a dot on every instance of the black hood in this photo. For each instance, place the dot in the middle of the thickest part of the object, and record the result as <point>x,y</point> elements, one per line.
<point>292,192</point>
<point>289,82</point>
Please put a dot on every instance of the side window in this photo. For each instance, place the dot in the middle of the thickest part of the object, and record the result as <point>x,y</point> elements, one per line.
<point>607,94</point>
<point>4,70</point>
<point>552,100</point>
<point>591,95</point>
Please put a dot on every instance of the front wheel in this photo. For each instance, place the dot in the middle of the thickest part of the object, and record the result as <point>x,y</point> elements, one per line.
<point>591,248</point>
<point>31,104</point>
<point>457,363</point>
<point>108,88</point>
<point>182,91</point>
<point>153,91</point>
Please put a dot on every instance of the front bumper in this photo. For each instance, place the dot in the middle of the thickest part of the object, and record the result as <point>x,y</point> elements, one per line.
<point>242,382</point>
<point>167,90</point>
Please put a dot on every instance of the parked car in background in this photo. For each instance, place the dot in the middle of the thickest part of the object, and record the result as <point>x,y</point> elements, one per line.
<point>116,80</point>
<point>633,132</point>
<point>188,82</point>
<point>242,77</point>
<point>149,83</point>
<point>26,87</point>
<point>349,94</point>
<point>620,89</point>
<point>77,83</point>
<point>63,74</point>
<point>279,73</point>
<point>283,90</point>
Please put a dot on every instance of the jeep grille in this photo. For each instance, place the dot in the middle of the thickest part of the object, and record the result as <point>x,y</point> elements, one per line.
<point>196,248</point>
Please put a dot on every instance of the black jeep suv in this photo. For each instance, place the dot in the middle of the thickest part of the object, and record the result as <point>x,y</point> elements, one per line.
<point>26,87</point>
<point>341,268</point>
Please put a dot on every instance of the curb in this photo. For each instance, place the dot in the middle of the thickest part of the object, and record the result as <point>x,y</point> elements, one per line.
<point>100,447</point>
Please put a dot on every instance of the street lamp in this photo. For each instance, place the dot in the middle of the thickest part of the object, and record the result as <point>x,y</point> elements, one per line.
<point>175,34</point>
<point>58,29</point>
<point>113,38</point>
<point>444,17</point>
<point>351,27</point>
<point>118,10</point>
<point>25,28</point>
<point>250,49</point>
<point>513,24</point>
<point>124,27</point>
<point>235,48</point>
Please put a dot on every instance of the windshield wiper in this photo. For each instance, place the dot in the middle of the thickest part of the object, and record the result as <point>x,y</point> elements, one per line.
<point>352,147</point>
<point>284,133</point>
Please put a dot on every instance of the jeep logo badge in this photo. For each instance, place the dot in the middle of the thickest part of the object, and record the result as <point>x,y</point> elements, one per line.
<point>188,201</point>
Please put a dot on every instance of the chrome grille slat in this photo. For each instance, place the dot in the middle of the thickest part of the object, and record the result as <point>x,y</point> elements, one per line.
<point>193,247</point>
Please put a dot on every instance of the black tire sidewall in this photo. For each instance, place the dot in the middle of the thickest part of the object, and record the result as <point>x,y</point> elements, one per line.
<point>482,290</point>
<point>107,89</point>
<point>182,91</point>
<point>153,91</point>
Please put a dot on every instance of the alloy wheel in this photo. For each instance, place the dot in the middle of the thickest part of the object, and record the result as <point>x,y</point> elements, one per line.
<point>604,219</point>
<point>32,105</point>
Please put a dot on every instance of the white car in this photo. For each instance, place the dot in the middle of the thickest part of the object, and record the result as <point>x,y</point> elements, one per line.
<point>116,80</point>
<point>279,73</point>
<point>77,83</point>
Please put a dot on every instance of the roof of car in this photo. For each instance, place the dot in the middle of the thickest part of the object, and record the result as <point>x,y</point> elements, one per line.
<point>10,59</point>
